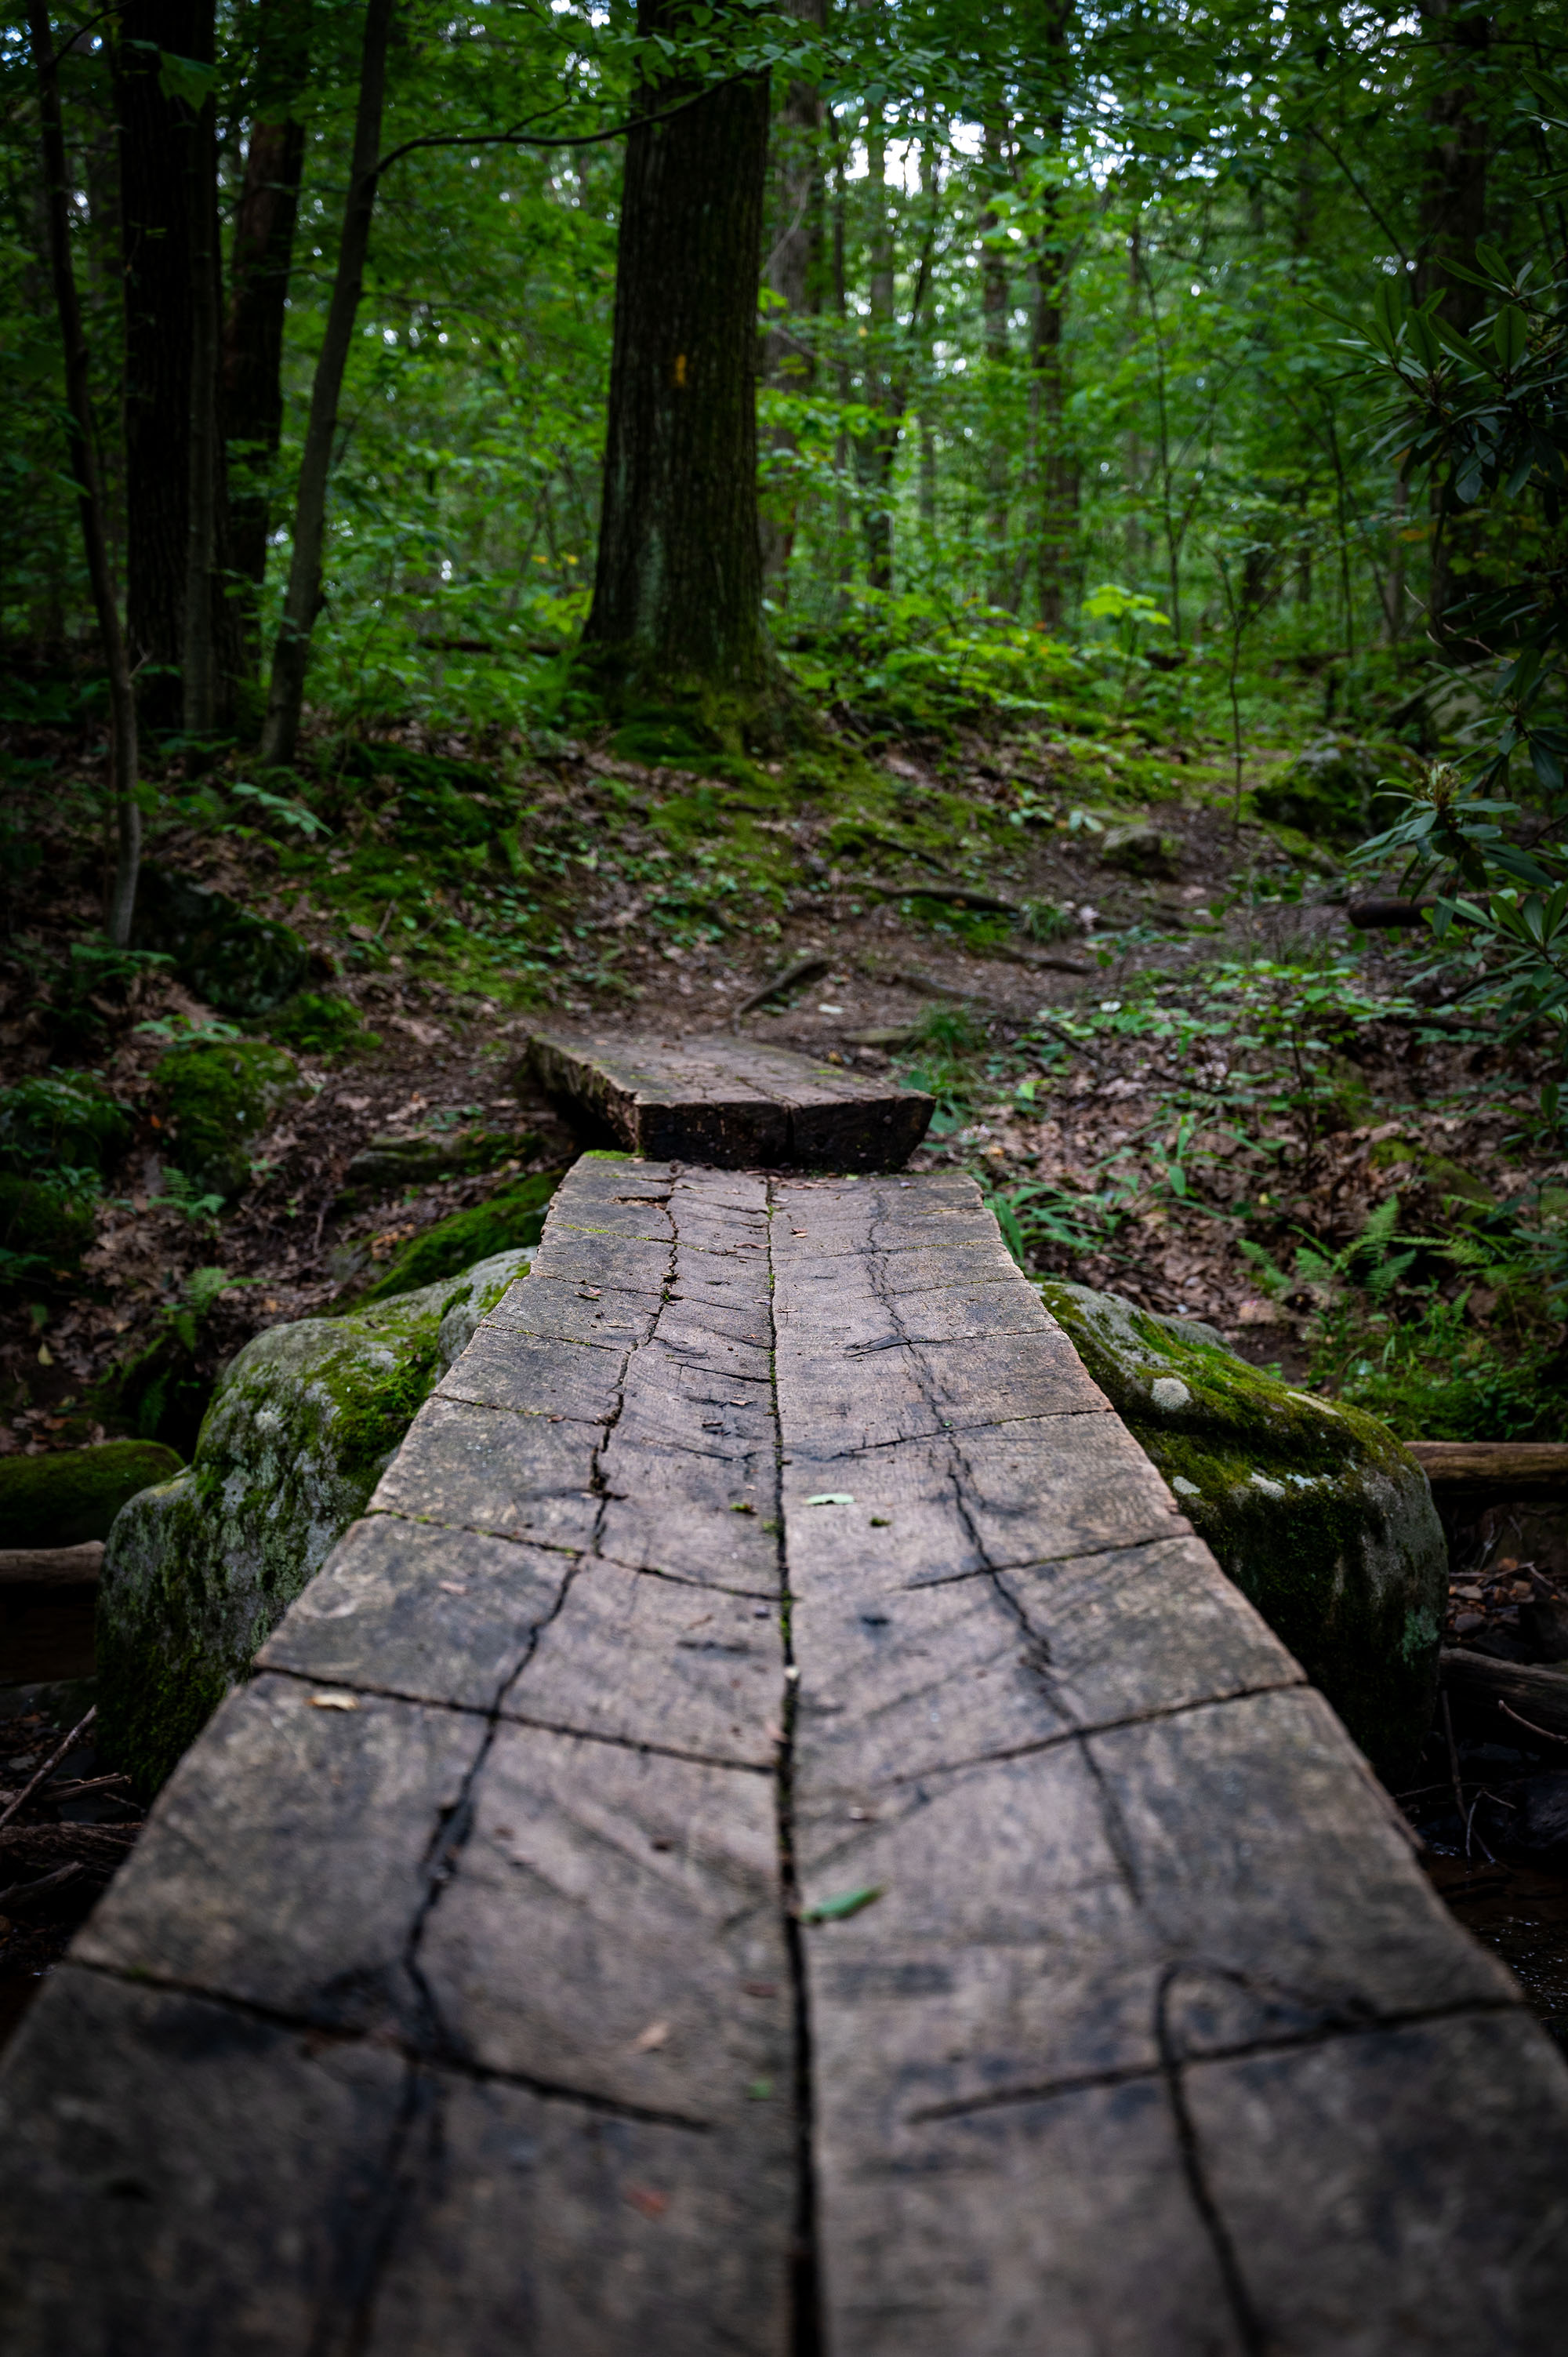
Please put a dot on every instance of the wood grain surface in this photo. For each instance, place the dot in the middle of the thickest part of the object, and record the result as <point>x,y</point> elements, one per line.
<point>773,1838</point>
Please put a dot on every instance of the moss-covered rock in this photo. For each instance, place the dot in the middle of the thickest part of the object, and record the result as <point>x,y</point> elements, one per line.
<point>319,1024</point>
<point>199,1570</point>
<point>395,1161</point>
<point>241,963</point>
<point>1314,1510</point>
<point>71,1495</point>
<point>43,1233</point>
<point>1327,792</point>
<point>511,1219</point>
<point>1140,851</point>
<point>218,1097</point>
<point>61,1119</point>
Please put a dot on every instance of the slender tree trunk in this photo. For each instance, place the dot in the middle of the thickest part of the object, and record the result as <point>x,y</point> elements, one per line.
<point>198,660</point>
<point>930,189</point>
<point>995,302</point>
<point>875,450</point>
<point>157,156</point>
<point>261,258</point>
<point>676,620</point>
<point>1055,465</point>
<point>123,779</point>
<point>291,656</point>
<point>793,273</point>
<point>1453,216</point>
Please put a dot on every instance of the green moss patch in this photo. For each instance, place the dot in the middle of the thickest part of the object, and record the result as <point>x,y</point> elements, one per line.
<point>511,1219</point>
<point>218,1098</point>
<point>1314,1511</point>
<point>72,1495</point>
<point>319,1025</point>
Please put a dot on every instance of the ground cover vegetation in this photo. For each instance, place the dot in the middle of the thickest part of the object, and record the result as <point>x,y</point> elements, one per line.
<point>1086,516</point>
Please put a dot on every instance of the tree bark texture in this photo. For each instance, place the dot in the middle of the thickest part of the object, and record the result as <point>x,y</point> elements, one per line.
<point>260,257</point>
<point>198,664</point>
<point>156,161</point>
<point>994,304</point>
<point>1453,216</point>
<point>291,656</point>
<point>677,610</point>
<point>123,762</point>
<point>793,273</point>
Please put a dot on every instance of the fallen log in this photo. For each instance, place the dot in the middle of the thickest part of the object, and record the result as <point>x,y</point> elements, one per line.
<point>1494,1468</point>
<point>1514,1695</point>
<point>71,1567</point>
<point>1371,916</point>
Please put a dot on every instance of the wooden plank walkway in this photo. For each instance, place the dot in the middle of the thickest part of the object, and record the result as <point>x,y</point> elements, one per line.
<point>730,1104</point>
<point>772,1838</point>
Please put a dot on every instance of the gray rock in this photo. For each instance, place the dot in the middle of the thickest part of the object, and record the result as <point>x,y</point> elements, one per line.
<point>1313,1508</point>
<point>198,1570</point>
<point>1140,851</point>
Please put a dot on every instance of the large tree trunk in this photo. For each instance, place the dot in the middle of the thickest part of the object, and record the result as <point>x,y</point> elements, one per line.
<point>291,656</point>
<point>793,273</point>
<point>676,620</point>
<point>83,465</point>
<point>157,158</point>
<point>261,258</point>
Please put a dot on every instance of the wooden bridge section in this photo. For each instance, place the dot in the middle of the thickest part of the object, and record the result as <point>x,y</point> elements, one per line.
<point>774,1839</point>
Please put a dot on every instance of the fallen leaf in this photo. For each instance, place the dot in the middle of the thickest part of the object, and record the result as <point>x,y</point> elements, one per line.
<point>656,2034</point>
<point>334,1701</point>
<point>361,933</point>
<point>45,1356</point>
<point>832,1498</point>
<point>843,1904</point>
<point>643,2198</point>
<point>453,1587</point>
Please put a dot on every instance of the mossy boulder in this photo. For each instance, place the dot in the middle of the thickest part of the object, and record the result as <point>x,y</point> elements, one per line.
<point>241,963</point>
<point>43,1232</point>
<point>390,1162</point>
<point>511,1219</point>
<point>1314,1510</point>
<point>63,1120</point>
<point>199,1571</point>
<point>1327,792</point>
<point>218,1096</point>
<point>1140,851</point>
<point>71,1495</point>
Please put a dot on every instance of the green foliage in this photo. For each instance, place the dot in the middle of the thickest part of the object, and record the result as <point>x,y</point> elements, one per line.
<point>61,1121</point>
<point>44,1230</point>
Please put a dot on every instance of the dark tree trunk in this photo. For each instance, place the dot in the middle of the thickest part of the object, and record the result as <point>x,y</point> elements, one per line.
<point>157,158</point>
<point>995,299</point>
<point>794,273</point>
<point>1056,463</point>
<point>1453,216</point>
<point>123,744</point>
<point>677,613</point>
<point>291,655</point>
<point>198,663</point>
<point>261,258</point>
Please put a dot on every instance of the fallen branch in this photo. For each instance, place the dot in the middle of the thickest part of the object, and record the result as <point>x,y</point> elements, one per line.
<point>1517,1686</point>
<point>806,969</point>
<point>50,1764</point>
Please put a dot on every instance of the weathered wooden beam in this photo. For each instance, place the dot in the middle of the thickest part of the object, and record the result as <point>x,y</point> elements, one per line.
<point>1494,1468</point>
<point>773,1835</point>
<point>71,1567</point>
<point>733,1104</point>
